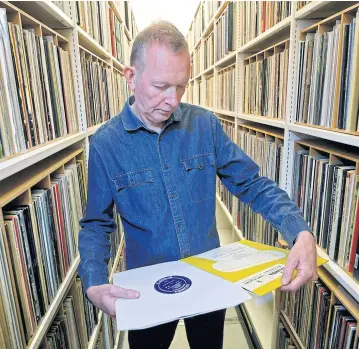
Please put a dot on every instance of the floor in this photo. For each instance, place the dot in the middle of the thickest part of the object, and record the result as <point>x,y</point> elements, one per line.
<point>234,337</point>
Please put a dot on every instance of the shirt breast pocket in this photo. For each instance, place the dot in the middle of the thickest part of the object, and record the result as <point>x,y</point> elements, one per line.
<point>136,194</point>
<point>200,174</point>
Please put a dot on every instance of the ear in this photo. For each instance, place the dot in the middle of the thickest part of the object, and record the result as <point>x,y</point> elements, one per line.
<point>130,76</point>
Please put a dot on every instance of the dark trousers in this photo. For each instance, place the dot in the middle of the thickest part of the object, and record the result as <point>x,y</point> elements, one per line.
<point>203,332</point>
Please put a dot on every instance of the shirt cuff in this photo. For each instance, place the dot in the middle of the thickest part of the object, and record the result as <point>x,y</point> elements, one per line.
<point>292,226</point>
<point>93,278</point>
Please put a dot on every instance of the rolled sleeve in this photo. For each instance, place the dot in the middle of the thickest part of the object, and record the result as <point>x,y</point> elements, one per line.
<point>240,174</point>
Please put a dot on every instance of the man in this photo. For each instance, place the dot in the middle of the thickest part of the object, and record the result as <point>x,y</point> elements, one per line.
<point>158,161</point>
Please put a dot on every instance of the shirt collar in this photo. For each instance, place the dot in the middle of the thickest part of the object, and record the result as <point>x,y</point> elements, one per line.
<point>131,122</point>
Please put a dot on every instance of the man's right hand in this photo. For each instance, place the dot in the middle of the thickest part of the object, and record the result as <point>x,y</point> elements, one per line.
<point>105,296</point>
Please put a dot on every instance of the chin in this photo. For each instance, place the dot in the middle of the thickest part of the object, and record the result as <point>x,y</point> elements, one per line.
<point>162,116</point>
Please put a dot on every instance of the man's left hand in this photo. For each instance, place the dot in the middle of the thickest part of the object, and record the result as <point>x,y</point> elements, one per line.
<point>303,257</point>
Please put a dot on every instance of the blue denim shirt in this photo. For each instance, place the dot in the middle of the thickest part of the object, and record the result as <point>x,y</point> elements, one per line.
<point>163,186</point>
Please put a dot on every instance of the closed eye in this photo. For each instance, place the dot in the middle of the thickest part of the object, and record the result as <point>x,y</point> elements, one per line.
<point>161,87</point>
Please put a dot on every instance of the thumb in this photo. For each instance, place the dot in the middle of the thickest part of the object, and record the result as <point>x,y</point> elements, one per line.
<point>120,292</point>
<point>288,271</point>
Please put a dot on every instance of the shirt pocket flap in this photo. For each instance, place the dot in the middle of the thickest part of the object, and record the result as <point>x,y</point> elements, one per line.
<point>199,161</point>
<point>133,179</point>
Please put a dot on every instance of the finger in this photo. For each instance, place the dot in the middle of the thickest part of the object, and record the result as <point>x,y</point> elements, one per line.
<point>120,292</point>
<point>296,283</point>
<point>315,276</point>
<point>288,271</point>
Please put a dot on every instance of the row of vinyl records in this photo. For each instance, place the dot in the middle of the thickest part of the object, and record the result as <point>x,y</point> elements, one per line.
<point>226,84</point>
<point>318,318</point>
<point>224,194</point>
<point>117,38</point>
<point>126,11</point>
<point>259,16</point>
<point>256,18</point>
<point>226,37</point>
<point>226,34</point>
<point>208,48</point>
<point>209,86</point>
<point>326,82</point>
<point>74,323</point>
<point>37,91</point>
<point>96,17</point>
<point>38,247</point>
<point>105,89</point>
<point>266,73</point>
<point>326,188</point>
<point>37,87</point>
<point>328,69</point>
<point>93,17</point>
<point>266,149</point>
<point>265,82</point>
<point>206,11</point>
<point>76,320</point>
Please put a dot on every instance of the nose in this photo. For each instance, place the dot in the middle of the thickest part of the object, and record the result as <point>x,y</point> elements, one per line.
<point>172,97</point>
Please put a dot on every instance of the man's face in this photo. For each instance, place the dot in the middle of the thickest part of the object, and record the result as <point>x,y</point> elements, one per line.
<point>159,88</point>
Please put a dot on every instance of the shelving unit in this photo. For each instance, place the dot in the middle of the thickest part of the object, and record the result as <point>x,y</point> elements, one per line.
<point>342,283</point>
<point>47,13</point>
<point>21,171</point>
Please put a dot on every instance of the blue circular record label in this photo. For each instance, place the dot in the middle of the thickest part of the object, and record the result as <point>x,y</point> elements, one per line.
<point>173,284</point>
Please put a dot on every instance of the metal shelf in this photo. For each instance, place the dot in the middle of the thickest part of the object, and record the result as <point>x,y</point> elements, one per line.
<point>271,36</point>
<point>46,12</point>
<point>24,160</point>
<point>340,275</point>
<point>262,120</point>
<point>325,134</point>
<point>91,130</point>
<point>117,64</point>
<point>322,9</point>
<point>229,59</point>
<point>225,112</point>
<point>208,71</point>
<point>88,42</point>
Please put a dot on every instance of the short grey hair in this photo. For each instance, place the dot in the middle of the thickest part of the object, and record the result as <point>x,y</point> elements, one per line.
<point>162,32</point>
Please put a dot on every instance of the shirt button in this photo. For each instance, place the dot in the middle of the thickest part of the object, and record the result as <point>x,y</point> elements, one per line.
<point>173,195</point>
<point>166,167</point>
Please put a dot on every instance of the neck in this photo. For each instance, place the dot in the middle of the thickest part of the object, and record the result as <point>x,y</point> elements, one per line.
<point>157,127</point>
